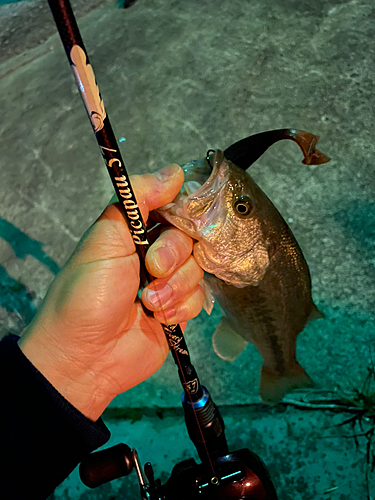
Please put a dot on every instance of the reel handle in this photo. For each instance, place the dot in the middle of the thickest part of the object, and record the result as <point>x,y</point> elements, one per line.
<point>105,465</point>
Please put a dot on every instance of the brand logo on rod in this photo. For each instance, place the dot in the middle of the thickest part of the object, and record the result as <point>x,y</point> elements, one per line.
<point>131,208</point>
<point>192,387</point>
<point>174,340</point>
<point>87,85</point>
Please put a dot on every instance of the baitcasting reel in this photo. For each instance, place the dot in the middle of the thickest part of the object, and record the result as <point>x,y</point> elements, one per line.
<point>236,476</point>
<point>240,475</point>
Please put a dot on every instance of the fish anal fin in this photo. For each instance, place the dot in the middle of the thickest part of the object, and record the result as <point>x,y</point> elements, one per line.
<point>273,387</point>
<point>226,342</point>
<point>315,313</point>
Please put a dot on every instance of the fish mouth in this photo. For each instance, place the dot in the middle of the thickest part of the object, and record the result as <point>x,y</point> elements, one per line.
<point>194,203</point>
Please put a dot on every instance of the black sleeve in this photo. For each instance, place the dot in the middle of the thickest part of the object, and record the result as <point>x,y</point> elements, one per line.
<point>42,436</point>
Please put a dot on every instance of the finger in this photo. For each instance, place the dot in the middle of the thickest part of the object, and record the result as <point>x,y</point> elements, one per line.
<point>152,191</point>
<point>169,252</point>
<point>109,237</point>
<point>164,293</point>
<point>183,311</point>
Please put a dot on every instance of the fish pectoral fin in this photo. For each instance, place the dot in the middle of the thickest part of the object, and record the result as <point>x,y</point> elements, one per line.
<point>315,313</point>
<point>273,387</point>
<point>209,300</point>
<point>226,342</point>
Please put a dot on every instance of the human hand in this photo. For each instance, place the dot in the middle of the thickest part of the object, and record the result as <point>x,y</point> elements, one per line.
<point>92,338</point>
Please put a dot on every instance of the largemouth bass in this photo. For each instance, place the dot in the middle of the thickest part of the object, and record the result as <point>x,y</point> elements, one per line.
<point>253,265</point>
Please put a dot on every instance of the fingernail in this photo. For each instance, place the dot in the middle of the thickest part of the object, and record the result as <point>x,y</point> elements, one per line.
<point>164,260</point>
<point>159,297</point>
<point>167,173</point>
<point>168,315</point>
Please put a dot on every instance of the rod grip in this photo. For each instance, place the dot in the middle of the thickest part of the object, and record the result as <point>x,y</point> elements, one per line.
<point>105,465</point>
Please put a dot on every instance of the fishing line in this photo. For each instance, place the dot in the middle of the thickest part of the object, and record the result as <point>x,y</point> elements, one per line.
<point>79,61</point>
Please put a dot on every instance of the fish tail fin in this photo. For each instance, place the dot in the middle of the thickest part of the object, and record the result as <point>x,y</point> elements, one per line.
<point>273,386</point>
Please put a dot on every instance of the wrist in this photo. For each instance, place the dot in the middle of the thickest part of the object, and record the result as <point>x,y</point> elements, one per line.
<point>77,384</point>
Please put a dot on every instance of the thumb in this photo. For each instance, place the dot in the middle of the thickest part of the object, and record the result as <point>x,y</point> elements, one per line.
<point>155,190</point>
<point>109,236</point>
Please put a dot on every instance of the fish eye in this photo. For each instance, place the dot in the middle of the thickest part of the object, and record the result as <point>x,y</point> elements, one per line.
<point>243,206</point>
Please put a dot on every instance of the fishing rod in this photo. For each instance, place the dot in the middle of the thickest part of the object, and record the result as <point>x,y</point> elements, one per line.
<point>221,475</point>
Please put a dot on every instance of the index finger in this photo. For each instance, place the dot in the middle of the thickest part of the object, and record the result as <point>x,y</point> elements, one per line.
<point>157,189</point>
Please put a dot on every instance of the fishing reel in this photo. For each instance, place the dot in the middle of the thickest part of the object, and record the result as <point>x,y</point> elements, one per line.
<point>235,476</point>
<point>240,475</point>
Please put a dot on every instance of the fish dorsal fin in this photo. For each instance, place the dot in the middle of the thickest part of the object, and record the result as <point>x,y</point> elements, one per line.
<point>315,313</point>
<point>226,342</point>
<point>209,300</point>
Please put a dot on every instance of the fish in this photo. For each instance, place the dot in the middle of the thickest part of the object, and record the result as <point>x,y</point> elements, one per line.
<point>253,265</point>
